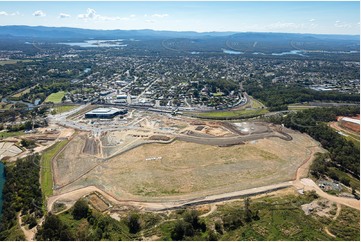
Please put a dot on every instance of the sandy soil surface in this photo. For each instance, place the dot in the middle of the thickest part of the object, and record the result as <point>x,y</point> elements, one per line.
<point>9,149</point>
<point>72,162</point>
<point>179,170</point>
<point>308,185</point>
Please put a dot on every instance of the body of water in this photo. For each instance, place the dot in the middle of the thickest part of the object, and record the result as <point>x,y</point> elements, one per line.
<point>2,181</point>
<point>96,43</point>
<point>232,52</point>
<point>292,52</point>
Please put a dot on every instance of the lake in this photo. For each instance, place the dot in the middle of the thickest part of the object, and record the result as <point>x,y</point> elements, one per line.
<point>232,52</point>
<point>292,52</point>
<point>96,43</point>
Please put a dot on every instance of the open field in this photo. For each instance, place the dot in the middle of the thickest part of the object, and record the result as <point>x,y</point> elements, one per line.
<point>232,114</point>
<point>64,108</point>
<point>20,94</point>
<point>5,62</point>
<point>46,177</point>
<point>178,170</point>
<point>298,107</point>
<point>255,103</point>
<point>72,162</point>
<point>4,134</point>
<point>5,106</point>
<point>55,97</point>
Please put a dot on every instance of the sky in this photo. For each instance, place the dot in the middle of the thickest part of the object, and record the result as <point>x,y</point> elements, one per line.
<point>337,17</point>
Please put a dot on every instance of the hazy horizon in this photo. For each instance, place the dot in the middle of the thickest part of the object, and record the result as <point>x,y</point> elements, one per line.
<point>341,18</point>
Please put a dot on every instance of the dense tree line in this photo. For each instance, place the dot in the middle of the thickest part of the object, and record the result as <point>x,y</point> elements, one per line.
<point>21,194</point>
<point>344,154</point>
<point>278,96</point>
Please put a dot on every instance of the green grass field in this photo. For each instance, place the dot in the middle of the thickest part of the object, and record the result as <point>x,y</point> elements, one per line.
<point>5,62</point>
<point>4,135</point>
<point>299,107</point>
<point>20,94</point>
<point>63,109</point>
<point>233,114</point>
<point>46,176</point>
<point>6,106</point>
<point>256,103</point>
<point>55,97</point>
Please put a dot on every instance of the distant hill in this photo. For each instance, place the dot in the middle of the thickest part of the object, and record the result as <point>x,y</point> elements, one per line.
<point>65,33</point>
<point>40,32</point>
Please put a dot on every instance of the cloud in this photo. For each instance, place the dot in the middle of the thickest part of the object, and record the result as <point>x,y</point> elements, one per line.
<point>3,13</point>
<point>39,13</point>
<point>149,21</point>
<point>159,15</point>
<point>312,20</point>
<point>133,16</point>
<point>64,15</point>
<point>340,24</point>
<point>91,14</point>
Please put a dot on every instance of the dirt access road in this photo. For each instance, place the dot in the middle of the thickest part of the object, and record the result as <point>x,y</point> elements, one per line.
<point>160,206</point>
<point>309,185</point>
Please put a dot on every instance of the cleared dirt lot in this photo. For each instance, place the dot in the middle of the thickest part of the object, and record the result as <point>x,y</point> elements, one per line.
<point>9,149</point>
<point>71,163</point>
<point>184,170</point>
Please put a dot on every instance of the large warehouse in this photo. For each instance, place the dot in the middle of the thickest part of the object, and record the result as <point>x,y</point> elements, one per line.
<point>105,112</point>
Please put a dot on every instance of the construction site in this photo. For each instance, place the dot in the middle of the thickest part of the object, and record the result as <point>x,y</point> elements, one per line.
<point>152,157</point>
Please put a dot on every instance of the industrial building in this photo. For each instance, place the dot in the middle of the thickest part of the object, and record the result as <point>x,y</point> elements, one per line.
<point>105,112</point>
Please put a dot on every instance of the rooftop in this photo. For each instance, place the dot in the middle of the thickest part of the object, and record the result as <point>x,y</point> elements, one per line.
<point>104,111</point>
<point>351,120</point>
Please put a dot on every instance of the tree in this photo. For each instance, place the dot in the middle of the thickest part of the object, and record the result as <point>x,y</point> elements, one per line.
<point>81,210</point>
<point>182,229</point>
<point>53,229</point>
<point>134,223</point>
<point>212,236</point>
<point>247,210</point>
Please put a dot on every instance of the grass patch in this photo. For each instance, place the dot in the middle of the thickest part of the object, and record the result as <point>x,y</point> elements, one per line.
<point>5,62</point>
<point>299,107</point>
<point>233,114</point>
<point>55,97</point>
<point>4,135</point>
<point>347,225</point>
<point>6,106</point>
<point>20,94</point>
<point>256,103</point>
<point>46,176</point>
<point>63,109</point>
<point>15,233</point>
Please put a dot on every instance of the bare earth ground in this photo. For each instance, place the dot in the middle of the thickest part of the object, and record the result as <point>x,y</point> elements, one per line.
<point>119,165</point>
<point>179,170</point>
<point>72,162</point>
<point>9,149</point>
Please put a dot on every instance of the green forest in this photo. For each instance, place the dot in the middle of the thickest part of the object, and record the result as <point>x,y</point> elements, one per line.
<point>343,154</point>
<point>22,196</point>
<point>278,96</point>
